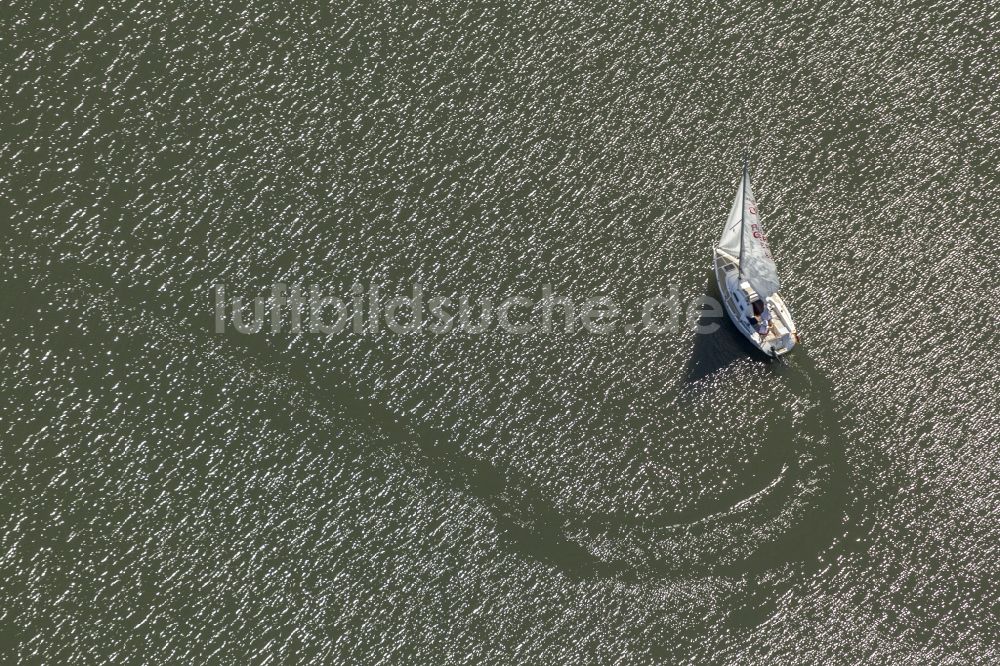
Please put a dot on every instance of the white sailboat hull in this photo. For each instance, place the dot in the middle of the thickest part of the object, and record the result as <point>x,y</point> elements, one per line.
<point>781,335</point>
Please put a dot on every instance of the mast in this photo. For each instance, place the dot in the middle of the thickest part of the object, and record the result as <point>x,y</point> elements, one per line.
<point>743,209</point>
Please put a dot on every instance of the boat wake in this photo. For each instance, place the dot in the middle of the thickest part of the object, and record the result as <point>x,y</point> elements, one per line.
<point>784,520</point>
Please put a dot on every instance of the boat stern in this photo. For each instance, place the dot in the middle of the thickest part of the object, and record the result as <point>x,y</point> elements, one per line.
<point>782,345</point>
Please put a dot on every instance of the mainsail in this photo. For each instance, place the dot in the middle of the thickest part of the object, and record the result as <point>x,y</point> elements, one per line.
<point>756,263</point>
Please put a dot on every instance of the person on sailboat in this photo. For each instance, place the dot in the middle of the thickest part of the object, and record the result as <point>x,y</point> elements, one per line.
<point>756,310</point>
<point>765,320</point>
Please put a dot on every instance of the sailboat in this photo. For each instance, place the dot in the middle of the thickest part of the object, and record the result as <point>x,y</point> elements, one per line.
<point>748,278</point>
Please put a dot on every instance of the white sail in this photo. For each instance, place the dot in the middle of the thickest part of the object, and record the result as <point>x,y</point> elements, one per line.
<point>756,263</point>
<point>730,241</point>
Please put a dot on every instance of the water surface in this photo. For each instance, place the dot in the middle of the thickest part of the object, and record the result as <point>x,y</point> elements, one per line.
<point>171,494</point>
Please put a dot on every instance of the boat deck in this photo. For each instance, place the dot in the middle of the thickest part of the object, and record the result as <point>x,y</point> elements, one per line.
<point>777,329</point>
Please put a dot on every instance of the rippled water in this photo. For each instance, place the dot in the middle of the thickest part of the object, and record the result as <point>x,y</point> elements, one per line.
<point>174,495</point>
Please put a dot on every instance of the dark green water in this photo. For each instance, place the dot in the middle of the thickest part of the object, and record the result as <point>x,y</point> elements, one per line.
<point>172,495</point>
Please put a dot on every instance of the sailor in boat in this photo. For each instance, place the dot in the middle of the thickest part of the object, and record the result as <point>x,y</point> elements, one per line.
<point>765,320</point>
<point>756,310</point>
